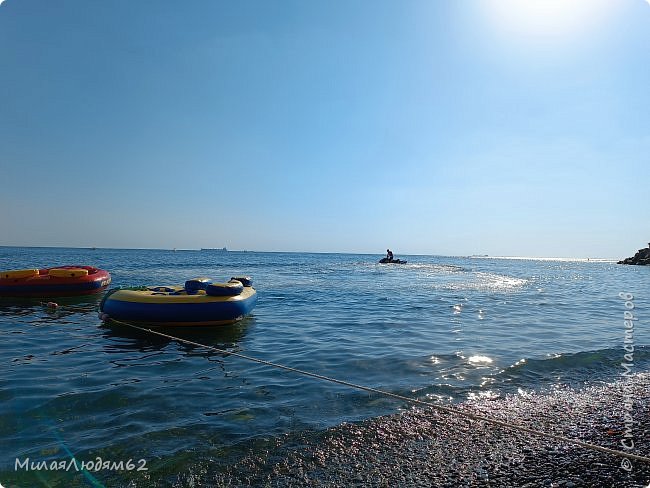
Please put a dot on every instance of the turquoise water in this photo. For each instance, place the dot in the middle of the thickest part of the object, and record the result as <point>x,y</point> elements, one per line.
<point>443,329</point>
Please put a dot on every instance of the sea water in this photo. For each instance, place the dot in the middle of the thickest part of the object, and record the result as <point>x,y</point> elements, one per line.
<point>440,329</point>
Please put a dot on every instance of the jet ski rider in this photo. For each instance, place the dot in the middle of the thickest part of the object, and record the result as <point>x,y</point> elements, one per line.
<point>389,255</point>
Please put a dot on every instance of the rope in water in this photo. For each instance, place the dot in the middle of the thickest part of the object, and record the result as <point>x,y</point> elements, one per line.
<point>415,401</point>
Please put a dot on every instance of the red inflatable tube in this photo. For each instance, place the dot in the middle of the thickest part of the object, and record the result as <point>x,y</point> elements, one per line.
<point>59,281</point>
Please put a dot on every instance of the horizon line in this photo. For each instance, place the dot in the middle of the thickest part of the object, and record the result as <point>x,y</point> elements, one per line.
<point>173,249</point>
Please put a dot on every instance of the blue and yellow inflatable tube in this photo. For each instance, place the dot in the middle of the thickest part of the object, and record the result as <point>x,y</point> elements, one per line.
<point>181,306</point>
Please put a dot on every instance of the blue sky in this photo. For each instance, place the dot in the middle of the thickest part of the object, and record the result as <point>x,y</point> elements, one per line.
<point>458,127</point>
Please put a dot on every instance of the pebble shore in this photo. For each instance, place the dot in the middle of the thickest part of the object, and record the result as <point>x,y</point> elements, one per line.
<point>430,448</point>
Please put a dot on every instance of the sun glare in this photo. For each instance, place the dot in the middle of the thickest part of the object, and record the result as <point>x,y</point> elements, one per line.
<point>546,21</point>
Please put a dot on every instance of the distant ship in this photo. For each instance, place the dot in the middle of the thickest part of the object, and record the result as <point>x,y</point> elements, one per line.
<point>214,249</point>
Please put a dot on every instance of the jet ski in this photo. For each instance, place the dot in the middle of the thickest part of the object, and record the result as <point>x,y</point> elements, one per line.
<point>394,261</point>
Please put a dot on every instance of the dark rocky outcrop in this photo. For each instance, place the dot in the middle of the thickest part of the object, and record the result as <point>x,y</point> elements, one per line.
<point>641,257</point>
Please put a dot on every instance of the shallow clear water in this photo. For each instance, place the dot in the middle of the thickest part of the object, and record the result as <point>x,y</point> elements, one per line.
<point>438,328</point>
